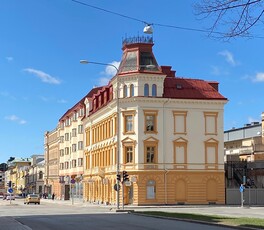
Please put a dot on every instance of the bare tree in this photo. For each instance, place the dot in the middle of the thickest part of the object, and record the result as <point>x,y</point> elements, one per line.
<point>231,18</point>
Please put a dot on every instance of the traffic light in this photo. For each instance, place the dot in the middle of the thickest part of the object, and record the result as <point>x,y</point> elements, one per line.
<point>10,184</point>
<point>118,177</point>
<point>125,176</point>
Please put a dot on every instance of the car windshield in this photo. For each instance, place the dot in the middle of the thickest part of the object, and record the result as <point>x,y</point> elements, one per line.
<point>33,195</point>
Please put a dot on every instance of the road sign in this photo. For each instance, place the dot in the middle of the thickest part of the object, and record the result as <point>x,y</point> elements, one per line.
<point>10,190</point>
<point>115,187</point>
<point>241,188</point>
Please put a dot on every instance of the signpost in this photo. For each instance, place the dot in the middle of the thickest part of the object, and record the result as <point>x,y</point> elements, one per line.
<point>72,186</point>
<point>241,189</point>
<point>10,192</point>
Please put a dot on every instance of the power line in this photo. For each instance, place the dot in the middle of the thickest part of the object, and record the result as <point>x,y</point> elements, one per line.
<point>157,24</point>
<point>108,11</point>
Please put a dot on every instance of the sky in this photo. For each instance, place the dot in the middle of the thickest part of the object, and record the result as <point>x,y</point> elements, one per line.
<point>42,42</point>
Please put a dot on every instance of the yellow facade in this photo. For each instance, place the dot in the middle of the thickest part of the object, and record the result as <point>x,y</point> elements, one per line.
<point>169,187</point>
<point>17,174</point>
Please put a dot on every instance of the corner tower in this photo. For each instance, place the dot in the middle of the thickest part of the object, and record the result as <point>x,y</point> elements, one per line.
<point>139,73</point>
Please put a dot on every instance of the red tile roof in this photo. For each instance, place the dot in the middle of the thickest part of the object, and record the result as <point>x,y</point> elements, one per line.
<point>184,88</point>
<point>80,103</point>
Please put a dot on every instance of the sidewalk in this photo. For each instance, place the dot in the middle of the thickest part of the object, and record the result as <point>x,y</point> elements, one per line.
<point>223,210</point>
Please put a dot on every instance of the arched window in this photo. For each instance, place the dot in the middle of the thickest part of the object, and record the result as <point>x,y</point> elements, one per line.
<point>151,189</point>
<point>131,90</point>
<point>146,90</point>
<point>154,90</point>
<point>125,91</point>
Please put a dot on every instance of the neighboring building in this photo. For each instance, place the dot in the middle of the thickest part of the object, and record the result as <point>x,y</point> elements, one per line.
<point>244,143</point>
<point>51,177</point>
<point>13,173</point>
<point>2,183</point>
<point>244,154</point>
<point>166,132</point>
<point>35,175</point>
<point>3,168</point>
<point>70,131</point>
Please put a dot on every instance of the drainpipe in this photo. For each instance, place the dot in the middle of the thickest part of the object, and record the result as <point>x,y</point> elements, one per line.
<point>165,185</point>
<point>163,152</point>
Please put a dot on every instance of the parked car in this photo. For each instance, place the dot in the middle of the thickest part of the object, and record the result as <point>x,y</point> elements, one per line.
<point>10,197</point>
<point>32,198</point>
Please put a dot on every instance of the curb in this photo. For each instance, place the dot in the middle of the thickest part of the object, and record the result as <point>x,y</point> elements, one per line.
<point>195,221</point>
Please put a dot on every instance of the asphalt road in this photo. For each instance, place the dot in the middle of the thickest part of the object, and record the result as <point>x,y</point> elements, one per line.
<point>51,215</point>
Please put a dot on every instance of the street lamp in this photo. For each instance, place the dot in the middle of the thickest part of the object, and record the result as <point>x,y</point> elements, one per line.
<point>98,63</point>
<point>148,29</point>
<point>117,136</point>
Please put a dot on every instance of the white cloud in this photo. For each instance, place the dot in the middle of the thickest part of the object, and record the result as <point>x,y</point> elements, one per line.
<point>16,119</point>
<point>9,59</point>
<point>104,81</point>
<point>259,77</point>
<point>228,57</point>
<point>109,72</point>
<point>43,76</point>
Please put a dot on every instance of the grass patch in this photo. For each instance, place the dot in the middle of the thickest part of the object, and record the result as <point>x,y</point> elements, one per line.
<point>229,221</point>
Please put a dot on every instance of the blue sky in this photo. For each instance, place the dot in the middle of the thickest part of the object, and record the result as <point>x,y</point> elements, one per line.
<point>41,43</point>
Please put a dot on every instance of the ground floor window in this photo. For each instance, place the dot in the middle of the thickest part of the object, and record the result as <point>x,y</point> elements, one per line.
<point>151,189</point>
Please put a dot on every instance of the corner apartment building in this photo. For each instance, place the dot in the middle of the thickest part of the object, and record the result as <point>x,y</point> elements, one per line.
<point>165,131</point>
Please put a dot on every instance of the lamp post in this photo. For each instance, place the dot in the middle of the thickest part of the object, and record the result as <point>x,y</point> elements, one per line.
<point>117,128</point>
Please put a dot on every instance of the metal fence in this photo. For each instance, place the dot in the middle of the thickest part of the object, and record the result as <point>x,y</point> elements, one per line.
<point>251,196</point>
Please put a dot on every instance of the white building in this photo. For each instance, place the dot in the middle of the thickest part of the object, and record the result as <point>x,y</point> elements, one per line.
<point>166,132</point>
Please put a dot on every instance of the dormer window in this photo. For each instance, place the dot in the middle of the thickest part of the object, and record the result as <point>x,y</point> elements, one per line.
<point>179,86</point>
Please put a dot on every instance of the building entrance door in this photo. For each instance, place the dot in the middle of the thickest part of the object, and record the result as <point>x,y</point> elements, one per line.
<point>67,192</point>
